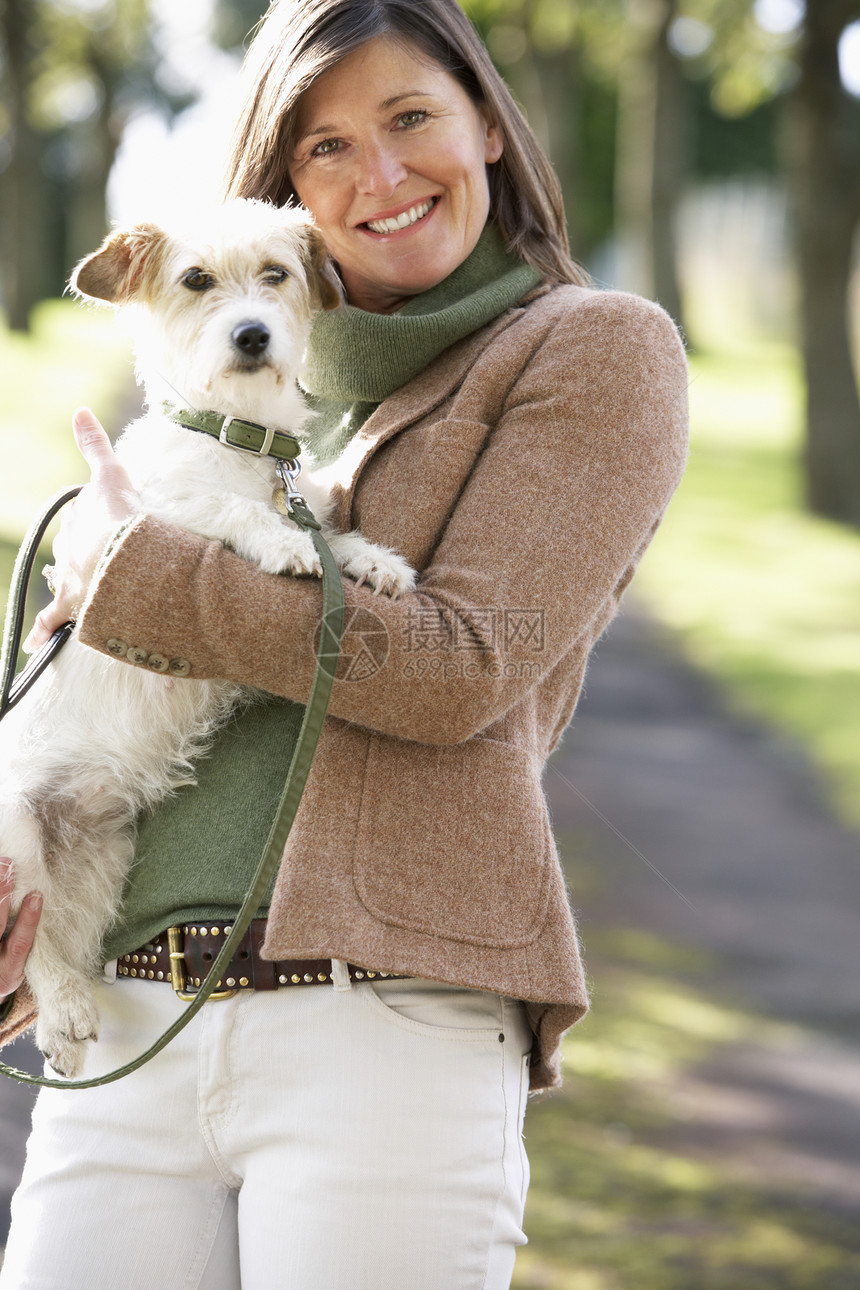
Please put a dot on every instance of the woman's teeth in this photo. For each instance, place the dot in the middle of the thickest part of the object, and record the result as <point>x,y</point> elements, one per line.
<point>403,220</point>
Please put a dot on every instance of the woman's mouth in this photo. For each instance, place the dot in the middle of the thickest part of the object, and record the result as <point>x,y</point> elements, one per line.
<point>404,220</point>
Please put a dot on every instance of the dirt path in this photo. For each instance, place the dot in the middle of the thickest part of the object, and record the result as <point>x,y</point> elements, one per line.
<point>710,831</point>
<point>715,835</point>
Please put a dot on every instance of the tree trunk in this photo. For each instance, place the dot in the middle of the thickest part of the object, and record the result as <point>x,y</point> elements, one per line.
<point>827,205</point>
<point>24,187</point>
<point>650,154</point>
<point>561,79</point>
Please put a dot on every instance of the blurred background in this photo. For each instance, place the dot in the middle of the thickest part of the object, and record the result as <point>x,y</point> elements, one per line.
<point>705,798</point>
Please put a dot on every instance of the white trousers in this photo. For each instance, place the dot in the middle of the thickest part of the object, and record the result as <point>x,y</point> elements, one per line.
<point>301,1139</point>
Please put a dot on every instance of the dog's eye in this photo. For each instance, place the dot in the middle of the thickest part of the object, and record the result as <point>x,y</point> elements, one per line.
<point>198,280</point>
<point>275,273</point>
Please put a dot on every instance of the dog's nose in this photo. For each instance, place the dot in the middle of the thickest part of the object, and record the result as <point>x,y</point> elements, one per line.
<point>251,338</point>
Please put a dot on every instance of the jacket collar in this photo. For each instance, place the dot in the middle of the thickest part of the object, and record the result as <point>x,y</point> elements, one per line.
<point>412,403</point>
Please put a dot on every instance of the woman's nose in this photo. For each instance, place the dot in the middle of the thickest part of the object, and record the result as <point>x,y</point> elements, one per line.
<point>380,170</point>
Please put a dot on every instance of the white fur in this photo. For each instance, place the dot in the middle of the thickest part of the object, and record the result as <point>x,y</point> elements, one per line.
<point>96,741</point>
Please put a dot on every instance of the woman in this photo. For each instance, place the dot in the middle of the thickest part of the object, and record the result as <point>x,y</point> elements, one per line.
<point>516,436</point>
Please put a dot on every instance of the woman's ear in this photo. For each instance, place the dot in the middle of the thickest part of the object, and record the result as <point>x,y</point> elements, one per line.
<point>115,272</point>
<point>494,143</point>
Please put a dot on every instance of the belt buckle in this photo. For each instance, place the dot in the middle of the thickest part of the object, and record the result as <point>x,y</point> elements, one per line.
<point>177,970</point>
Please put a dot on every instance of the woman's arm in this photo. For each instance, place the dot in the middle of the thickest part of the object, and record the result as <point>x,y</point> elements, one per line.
<point>558,508</point>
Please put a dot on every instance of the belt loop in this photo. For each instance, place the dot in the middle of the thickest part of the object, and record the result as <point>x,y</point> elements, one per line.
<point>340,975</point>
<point>109,971</point>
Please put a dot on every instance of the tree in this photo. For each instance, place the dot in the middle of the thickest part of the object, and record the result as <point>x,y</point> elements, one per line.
<point>651,152</point>
<point>69,77</point>
<point>825,169</point>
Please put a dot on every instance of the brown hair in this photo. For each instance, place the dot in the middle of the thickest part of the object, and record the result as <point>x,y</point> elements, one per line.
<point>298,40</point>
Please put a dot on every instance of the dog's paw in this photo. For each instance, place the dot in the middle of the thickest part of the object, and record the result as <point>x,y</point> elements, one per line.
<point>385,571</point>
<point>295,554</point>
<point>66,1022</point>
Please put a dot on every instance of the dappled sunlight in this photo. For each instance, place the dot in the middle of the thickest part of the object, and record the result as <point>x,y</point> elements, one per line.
<point>764,595</point>
<point>630,1187</point>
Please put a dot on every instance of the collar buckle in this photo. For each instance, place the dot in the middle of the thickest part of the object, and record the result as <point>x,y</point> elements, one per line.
<point>262,451</point>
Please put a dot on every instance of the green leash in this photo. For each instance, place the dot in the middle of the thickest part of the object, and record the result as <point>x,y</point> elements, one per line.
<point>326,664</point>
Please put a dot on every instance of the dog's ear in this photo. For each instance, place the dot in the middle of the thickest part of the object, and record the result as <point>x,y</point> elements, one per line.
<point>326,290</point>
<point>116,273</point>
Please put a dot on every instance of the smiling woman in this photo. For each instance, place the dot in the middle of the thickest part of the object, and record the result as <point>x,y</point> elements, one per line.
<point>391,155</point>
<point>353,1117</point>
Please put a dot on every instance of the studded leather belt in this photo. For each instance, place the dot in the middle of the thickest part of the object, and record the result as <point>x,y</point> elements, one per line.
<point>183,955</point>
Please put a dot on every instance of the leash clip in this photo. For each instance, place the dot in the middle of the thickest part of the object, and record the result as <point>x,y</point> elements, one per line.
<point>288,473</point>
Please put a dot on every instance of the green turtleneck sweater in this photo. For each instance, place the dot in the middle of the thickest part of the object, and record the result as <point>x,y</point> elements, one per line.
<point>197,852</point>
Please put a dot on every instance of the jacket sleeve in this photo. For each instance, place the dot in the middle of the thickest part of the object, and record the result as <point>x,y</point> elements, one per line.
<point>558,508</point>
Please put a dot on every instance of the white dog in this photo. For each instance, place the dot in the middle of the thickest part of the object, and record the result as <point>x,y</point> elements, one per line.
<point>222,319</point>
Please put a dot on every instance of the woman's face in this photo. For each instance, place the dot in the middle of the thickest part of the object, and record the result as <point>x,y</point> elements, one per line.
<point>390,159</point>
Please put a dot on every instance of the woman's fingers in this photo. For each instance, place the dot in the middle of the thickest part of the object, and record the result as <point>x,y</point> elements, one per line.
<point>15,947</point>
<point>108,478</point>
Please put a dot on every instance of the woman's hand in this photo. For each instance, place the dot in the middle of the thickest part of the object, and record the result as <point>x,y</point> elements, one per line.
<point>15,947</point>
<point>86,527</point>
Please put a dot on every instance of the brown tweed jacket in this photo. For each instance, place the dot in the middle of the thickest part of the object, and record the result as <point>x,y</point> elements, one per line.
<point>523,474</point>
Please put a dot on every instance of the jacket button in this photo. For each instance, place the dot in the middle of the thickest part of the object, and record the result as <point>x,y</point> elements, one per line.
<point>179,667</point>
<point>157,663</point>
<point>116,647</point>
<point>137,655</point>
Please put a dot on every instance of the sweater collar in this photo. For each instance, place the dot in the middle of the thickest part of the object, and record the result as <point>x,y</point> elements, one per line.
<point>354,355</point>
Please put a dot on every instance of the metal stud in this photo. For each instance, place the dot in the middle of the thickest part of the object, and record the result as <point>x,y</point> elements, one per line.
<point>194,931</point>
<point>359,975</point>
<point>322,976</point>
<point>308,978</point>
<point>228,929</point>
<point>134,971</point>
<point>282,980</point>
<point>197,980</point>
<point>126,958</point>
<point>204,931</point>
<point>371,975</point>
<point>134,958</point>
<point>216,931</point>
<point>295,978</point>
<point>160,976</point>
<point>243,980</point>
<point>231,980</point>
<point>151,974</point>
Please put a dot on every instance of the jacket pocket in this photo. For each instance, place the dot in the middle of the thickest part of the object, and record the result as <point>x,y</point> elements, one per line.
<point>454,841</point>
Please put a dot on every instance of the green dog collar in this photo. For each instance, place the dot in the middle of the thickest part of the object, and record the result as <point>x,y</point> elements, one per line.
<point>263,441</point>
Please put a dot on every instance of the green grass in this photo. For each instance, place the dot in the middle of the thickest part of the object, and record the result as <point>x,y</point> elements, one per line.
<point>765,596</point>
<point>619,1200</point>
<point>73,355</point>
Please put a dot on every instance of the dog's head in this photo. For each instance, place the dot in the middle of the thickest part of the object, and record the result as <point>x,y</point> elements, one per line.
<point>222,312</point>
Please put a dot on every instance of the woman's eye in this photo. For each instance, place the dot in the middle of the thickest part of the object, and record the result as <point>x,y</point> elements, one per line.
<point>326,148</point>
<point>198,280</point>
<point>416,116</point>
<point>275,273</point>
